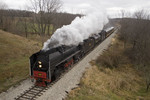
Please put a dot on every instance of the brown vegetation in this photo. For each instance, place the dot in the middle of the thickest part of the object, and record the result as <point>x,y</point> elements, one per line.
<point>111,57</point>
<point>14,58</point>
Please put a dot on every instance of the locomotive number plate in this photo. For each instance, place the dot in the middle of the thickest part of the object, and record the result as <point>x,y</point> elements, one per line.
<point>39,74</point>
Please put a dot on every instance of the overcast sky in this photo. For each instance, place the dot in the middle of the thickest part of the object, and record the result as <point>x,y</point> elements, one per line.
<point>112,7</point>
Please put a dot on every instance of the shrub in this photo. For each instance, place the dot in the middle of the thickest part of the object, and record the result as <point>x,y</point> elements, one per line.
<point>113,57</point>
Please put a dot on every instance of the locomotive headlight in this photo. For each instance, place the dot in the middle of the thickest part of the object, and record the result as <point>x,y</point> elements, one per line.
<point>39,62</point>
<point>40,66</point>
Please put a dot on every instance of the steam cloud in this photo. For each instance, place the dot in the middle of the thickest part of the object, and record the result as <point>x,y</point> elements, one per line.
<point>77,31</point>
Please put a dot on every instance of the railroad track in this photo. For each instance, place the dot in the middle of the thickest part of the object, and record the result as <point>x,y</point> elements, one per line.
<point>35,91</point>
<point>31,93</point>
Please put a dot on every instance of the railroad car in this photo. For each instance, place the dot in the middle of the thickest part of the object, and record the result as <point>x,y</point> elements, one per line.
<point>109,31</point>
<point>46,66</point>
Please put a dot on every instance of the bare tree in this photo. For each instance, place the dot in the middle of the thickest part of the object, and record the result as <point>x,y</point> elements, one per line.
<point>124,27</point>
<point>24,23</point>
<point>43,13</point>
<point>135,31</point>
<point>141,14</point>
<point>3,6</point>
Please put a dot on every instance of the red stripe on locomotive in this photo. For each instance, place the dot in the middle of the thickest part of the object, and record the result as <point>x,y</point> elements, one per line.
<point>69,63</point>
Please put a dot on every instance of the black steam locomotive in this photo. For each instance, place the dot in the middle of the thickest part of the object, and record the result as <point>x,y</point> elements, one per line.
<point>46,66</point>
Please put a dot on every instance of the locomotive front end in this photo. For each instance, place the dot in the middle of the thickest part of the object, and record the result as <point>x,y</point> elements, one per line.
<point>39,69</point>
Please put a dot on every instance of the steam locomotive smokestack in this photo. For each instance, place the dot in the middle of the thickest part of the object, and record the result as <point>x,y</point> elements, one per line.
<point>77,31</point>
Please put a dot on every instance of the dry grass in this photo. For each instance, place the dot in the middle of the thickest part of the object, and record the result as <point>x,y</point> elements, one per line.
<point>14,58</point>
<point>111,77</point>
<point>114,56</point>
<point>116,80</point>
<point>116,84</point>
<point>38,38</point>
<point>13,46</point>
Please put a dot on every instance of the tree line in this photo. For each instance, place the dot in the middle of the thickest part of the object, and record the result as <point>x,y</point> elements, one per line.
<point>42,18</point>
<point>135,31</point>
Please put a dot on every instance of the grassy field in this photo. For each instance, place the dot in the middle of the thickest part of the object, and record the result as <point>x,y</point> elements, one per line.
<point>119,81</point>
<point>14,58</point>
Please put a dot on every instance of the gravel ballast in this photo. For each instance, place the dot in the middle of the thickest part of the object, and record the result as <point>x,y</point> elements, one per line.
<point>69,81</point>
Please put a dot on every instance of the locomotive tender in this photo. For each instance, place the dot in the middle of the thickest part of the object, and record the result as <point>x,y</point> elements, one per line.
<point>46,66</point>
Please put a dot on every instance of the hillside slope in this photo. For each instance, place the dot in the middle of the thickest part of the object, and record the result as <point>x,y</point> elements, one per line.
<point>14,58</point>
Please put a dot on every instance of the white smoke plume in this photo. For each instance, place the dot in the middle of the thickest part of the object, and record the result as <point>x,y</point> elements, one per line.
<point>77,31</point>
